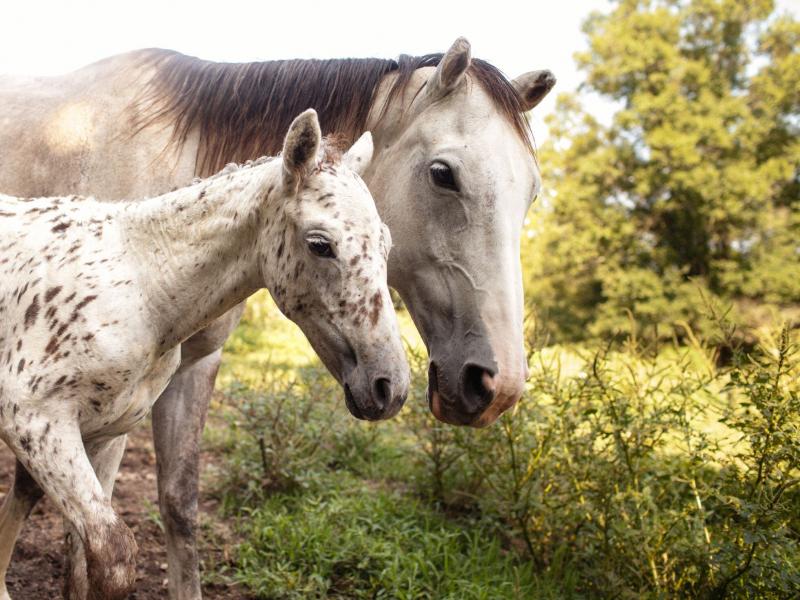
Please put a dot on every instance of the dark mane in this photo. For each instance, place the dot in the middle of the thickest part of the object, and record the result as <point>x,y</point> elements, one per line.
<point>243,110</point>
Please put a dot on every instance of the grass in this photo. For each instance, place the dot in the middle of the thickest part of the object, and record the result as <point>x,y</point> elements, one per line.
<point>356,538</point>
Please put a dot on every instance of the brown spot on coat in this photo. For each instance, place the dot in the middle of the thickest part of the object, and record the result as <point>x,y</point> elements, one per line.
<point>60,227</point>
<point>52,293</point>
<point>52,346</point>
<point>32,311</point>
<point>377,304</point>
<point>84,302</point>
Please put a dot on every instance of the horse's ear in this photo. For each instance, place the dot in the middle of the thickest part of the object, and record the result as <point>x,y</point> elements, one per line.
<point>532,87</point>
<point>360,153</point>
<point>451,70</point>
<point>300,147</point>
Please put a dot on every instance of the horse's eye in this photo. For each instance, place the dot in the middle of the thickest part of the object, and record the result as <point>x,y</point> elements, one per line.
<point>321,247</point>
<point>442,176</point>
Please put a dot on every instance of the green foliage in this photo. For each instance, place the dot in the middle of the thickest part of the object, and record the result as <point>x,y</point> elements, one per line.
<point>274,440</point>
<point>654,473</point>
<point>438,456</point>
<point>757,500</point>
<point>694,185</point>
<point>595,467</point>
<point>635,470</point>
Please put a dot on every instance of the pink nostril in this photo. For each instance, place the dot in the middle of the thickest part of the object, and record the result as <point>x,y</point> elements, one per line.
<point>478,387</point>
<point>489,382</point>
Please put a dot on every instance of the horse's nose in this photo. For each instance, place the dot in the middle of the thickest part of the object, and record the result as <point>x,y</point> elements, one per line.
<point>478,388</point>
<point>381,393</point>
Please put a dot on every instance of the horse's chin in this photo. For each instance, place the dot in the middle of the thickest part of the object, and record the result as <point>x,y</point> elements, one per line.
<point>438,406</point>
<point>439,410</point>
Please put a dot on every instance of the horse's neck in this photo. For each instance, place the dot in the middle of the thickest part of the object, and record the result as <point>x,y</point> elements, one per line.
<point>390,115</point>
<point>197,249</point>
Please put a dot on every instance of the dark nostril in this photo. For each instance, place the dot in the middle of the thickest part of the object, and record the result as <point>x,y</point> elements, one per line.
<point>477,388</point>
<point>433,377</point>
<point>382,392</point>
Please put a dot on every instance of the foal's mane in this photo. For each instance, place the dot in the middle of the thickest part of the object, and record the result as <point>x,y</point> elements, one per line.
<point>243,110</point>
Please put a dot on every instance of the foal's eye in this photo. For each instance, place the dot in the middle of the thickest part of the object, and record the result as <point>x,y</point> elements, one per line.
<point>442,175</point>
<point>321,247</point>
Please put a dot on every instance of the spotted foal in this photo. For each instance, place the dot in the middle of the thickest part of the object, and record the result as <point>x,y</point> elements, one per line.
<point>96,298</point>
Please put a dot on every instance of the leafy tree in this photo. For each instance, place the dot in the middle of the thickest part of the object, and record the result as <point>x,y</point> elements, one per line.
<point>692,190</point>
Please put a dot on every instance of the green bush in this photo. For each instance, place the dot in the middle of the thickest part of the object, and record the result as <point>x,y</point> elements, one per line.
<point>324,505</point>
<point>755,508</point>
<point>634,470</point>
<point>655,473</point>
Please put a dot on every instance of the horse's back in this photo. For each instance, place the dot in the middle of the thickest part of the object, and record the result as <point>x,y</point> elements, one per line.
<point>77,134</point>
<point>74,134</point>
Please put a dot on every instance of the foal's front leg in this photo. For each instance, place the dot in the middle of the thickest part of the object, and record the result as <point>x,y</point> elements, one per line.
<point>17,505</point>
<point>58,462</point>
<point>105,458</point>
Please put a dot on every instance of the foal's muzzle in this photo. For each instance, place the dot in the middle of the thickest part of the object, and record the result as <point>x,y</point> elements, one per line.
<point>381,399</point>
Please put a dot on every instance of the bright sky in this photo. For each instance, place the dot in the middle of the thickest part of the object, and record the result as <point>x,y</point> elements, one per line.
<point>51,37</point>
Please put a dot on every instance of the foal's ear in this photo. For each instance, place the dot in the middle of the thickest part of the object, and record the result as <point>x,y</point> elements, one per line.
<point>360,153</point>
<point>450,72</point>
<point>533,87</point>
<point>300,147</point>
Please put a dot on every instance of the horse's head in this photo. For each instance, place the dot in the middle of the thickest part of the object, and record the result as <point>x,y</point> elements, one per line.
<point>331,276</point>
<point>454,175</point>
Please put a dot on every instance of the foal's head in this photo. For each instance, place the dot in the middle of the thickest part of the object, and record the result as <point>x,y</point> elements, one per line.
<point>329,270</point>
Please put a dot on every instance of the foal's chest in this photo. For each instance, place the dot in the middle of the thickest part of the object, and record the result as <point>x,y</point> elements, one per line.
<point>116,409</point>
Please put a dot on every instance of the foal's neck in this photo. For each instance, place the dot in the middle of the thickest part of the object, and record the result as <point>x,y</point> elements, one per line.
<point>197,248</point>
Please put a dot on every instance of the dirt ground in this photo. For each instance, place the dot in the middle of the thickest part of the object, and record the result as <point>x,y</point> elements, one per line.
<point>37,567</point>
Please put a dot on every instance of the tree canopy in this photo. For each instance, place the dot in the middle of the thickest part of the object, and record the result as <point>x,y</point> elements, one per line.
<point>692,190</point>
